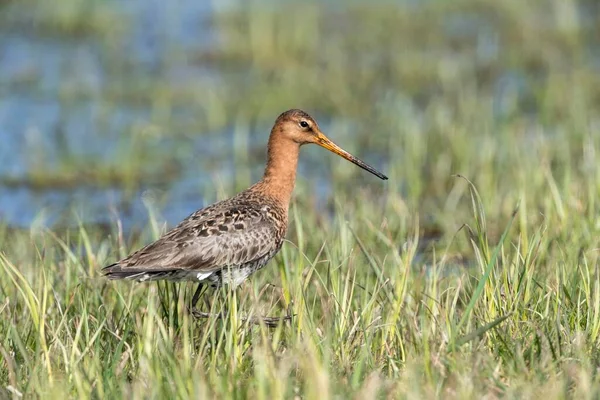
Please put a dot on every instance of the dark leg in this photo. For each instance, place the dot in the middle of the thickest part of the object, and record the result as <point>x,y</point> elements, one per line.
<point>197,295</point>
<point>271,322</point>
<point>268,321</point>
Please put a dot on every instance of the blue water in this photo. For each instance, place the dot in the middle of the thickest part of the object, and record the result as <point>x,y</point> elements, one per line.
<point>54,112</point>
<point>50,108</point>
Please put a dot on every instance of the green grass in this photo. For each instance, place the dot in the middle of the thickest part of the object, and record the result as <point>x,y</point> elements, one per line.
<point>472,272</point>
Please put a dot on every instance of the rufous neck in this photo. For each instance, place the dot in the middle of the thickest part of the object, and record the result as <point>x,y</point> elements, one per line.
<point>280,174</point>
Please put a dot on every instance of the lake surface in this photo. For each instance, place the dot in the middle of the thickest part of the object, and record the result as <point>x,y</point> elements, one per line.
<point>82,138</point>
<point>54,116</point>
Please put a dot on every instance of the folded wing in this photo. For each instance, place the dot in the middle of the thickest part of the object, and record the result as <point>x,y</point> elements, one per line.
<point>207,241</point>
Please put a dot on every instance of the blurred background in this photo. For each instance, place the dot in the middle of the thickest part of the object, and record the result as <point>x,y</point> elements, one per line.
<point>109,108</point>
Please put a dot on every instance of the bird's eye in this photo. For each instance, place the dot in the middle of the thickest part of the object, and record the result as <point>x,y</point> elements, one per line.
<point>303,124</point>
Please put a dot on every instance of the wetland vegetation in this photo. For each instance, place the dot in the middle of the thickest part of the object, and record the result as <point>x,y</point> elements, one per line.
<point>472,272</point>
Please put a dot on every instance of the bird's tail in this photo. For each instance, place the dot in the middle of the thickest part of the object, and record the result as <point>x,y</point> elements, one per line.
<point>117,272</point>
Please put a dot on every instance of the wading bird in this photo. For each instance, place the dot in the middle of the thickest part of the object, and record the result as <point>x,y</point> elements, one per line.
<point>226,242</point>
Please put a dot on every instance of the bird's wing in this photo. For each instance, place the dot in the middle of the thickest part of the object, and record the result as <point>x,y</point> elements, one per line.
<point>208,240</point>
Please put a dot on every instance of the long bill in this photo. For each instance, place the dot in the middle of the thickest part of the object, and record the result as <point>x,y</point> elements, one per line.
<point>324,142</point>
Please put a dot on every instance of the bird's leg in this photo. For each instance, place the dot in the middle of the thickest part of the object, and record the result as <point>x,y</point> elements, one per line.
<point>271,322</point>
<point>268,321</point>
<point>196,296</point>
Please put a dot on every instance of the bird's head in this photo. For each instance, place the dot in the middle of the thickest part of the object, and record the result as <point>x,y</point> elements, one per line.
<point>301,128</point>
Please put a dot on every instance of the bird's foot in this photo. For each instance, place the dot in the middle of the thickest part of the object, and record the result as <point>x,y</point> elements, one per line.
<point>268,321</point>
